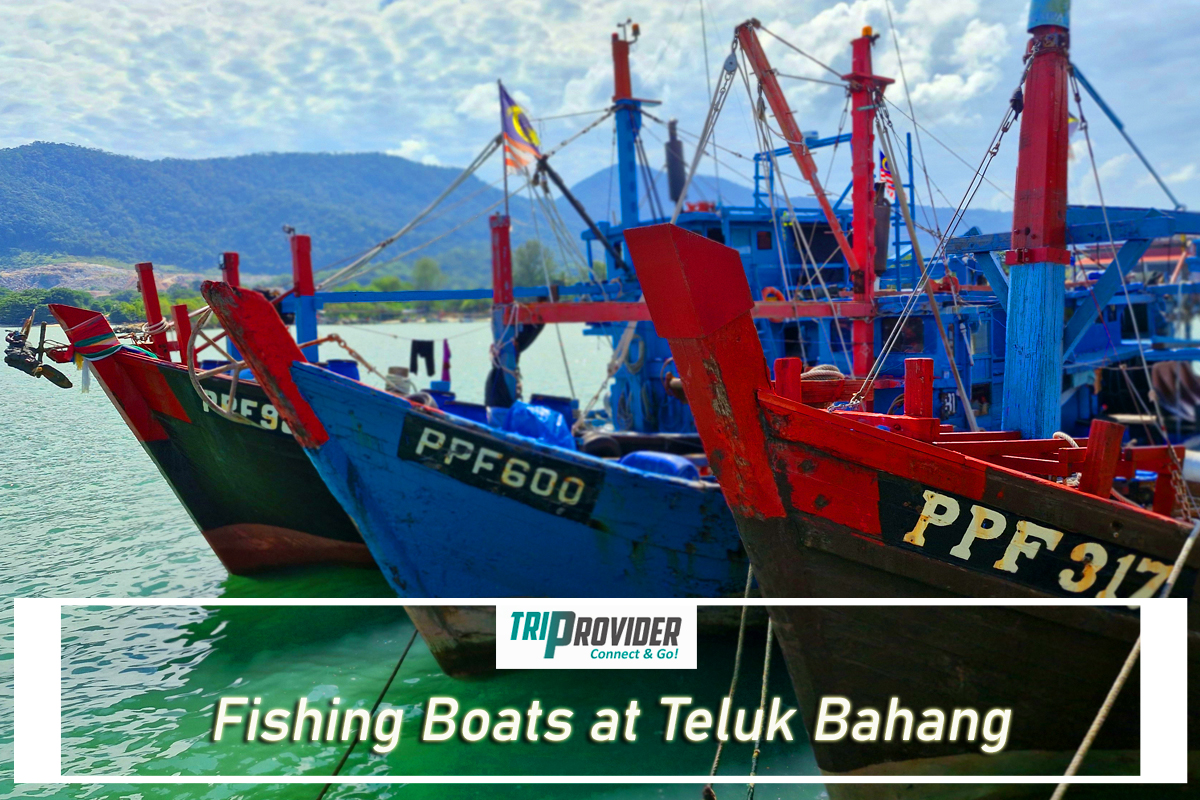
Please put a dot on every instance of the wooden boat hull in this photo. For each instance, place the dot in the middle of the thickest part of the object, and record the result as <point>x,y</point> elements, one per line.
<point>250,489</point>
<point>443,523</point>
<point>830,505</point>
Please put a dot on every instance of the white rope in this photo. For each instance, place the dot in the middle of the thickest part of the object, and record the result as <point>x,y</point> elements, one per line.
<point>1101,716</point>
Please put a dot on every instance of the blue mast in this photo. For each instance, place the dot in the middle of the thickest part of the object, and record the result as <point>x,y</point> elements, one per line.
<point>1038,253</point>
<point>629,124</point>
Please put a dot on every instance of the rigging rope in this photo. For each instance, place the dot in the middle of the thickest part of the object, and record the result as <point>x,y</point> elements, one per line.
<point>1183,493</point>
<point>811,58</point>
<point>347,272</point>
<point>720,94</point>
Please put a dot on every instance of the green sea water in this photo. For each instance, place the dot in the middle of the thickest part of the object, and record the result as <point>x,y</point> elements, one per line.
<point>84,513</point>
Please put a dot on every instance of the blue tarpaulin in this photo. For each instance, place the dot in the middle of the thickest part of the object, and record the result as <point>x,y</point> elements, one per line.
<point>538,422</point>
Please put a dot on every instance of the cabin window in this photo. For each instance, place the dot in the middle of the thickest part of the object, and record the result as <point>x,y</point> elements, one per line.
<point>716,234</point>
<point>739,237</point>
<point>912,335</point>
<point>763,240</point>
<point>981,399</point>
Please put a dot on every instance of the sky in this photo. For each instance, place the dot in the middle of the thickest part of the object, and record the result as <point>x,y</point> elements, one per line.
<point>416,78</point>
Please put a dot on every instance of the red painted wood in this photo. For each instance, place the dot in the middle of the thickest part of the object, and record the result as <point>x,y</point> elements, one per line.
<point>950,437</point>
<point>1164,493</point>
<point>787,378</point>
<point>1040,207</point>
<point>264,342</point>
<point>623,85</point>
<point>113,375</point>
<point>982,448</point>
<point>866,89</point>
<point>924,428</point>
<point>146,285</point>
<point>701,303</point>
<point>502,285</point>
<point>839,491</point>
<point>862,343</point>
<point>748,38</point>
<point>302,274</point>
<point>230,272</point>
<point>918,387</point>
<point>1103,453</point>
<point>693,286</point>
<point>183,330</point>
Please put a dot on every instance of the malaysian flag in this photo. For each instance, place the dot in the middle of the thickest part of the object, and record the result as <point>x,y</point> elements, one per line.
<point>885,175</point>
<point>520,139</point>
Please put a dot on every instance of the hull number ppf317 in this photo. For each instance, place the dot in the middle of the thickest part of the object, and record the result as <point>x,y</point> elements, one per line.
<point>959,531</point>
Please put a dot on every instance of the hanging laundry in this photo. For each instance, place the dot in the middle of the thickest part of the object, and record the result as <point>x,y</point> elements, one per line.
<point>421,349</point>
<point>446,360</point>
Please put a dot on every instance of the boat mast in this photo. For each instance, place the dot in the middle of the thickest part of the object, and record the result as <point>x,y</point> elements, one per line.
<point>865,90</point>
<point>504,325</point>
<point>304,291</point>
<point>629,123</point>
<point>1038,255</point>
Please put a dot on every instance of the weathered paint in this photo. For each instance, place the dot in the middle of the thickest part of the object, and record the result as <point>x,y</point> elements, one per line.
<point>250,490</point>
<point>439,532</point>
<point>938,513</point>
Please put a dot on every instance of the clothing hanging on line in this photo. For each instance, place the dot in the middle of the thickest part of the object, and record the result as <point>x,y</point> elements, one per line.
<point>446,360</point>
<point>421,349</point>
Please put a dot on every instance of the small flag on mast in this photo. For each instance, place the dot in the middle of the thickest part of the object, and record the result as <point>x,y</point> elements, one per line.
<point>885,175</point>
<point>520,139</point>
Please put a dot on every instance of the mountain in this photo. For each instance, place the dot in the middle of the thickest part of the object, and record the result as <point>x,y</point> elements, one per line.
<point>66,200</point>
<point>71,206</point>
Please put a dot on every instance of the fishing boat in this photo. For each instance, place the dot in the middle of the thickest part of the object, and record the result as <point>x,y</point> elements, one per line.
<point>255,497</point>
<point>836,501</point>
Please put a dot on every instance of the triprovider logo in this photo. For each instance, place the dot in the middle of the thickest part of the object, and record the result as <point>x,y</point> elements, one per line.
<point>601,634</point>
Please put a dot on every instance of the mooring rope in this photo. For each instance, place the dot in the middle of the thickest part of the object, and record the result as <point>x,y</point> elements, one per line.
<point>395,671</point>
<point>762,709</point>
<point>708,793</point>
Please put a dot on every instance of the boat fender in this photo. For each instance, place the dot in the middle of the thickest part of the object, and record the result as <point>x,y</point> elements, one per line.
<point>662,464</point>
<point>422,399</point>
<point>600,445</point>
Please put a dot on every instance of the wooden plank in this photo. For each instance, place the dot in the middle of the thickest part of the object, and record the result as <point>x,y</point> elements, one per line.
<point>1103,453</point>
<point>918,387</point>
<point>787,378</point>
<point>951,437</point>
<point>1009,447</point>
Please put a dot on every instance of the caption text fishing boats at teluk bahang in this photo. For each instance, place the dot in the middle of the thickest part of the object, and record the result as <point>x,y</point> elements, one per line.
<point>840,502</point>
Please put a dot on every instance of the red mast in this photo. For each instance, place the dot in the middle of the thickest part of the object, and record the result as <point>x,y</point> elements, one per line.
<point>1038,254</point>
<point>866,89</point>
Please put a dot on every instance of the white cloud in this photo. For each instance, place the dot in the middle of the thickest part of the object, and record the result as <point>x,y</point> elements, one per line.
<point>196,78</point>
<point>414,150</point>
